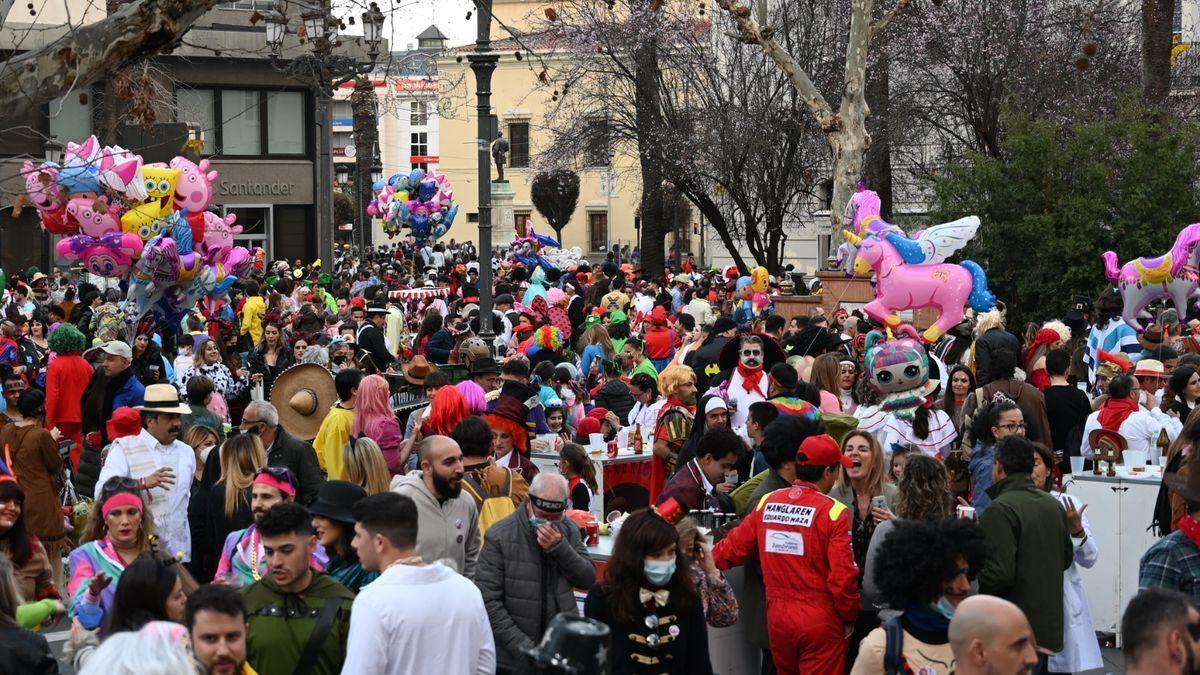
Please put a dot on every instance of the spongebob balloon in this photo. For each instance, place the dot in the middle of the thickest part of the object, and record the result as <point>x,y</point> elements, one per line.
<point>146,220</point>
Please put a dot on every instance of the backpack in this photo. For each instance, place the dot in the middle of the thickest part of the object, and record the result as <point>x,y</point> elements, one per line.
<point>491,509</point>
<point>894,662</point>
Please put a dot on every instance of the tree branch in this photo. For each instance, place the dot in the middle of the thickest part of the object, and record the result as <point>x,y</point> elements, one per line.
<point>89,53</point>
<point>753,33</point>
<point>880,25</point>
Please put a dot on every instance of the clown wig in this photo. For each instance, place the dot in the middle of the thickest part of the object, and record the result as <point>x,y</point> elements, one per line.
<point>549,338</point>
<point>518,431</point>
<point>674,377</point>
<point>474,395</point>
<point>448,408</point>
<point>66,339</point>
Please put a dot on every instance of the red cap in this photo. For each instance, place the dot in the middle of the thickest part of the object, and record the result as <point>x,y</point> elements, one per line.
<point>821,451</point>
<point>124,421</point>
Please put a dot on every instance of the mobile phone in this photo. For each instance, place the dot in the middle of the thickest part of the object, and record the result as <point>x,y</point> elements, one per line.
<point>878,502</point>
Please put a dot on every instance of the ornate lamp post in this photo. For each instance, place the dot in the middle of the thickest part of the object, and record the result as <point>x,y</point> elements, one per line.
<point>483,63</point>
<point>323,72</point>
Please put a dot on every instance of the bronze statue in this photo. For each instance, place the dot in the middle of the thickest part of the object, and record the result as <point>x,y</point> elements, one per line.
<point>500,154</point>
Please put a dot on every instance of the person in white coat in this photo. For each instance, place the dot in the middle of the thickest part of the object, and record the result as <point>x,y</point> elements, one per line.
<point>1081,650</point>
<point>1122,413</point>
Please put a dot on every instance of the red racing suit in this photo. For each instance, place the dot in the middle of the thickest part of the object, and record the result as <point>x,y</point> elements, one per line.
<point>802,537</point>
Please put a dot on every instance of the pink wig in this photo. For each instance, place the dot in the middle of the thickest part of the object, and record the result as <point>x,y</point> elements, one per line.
<point>473,393</point>
<point>373,403</point>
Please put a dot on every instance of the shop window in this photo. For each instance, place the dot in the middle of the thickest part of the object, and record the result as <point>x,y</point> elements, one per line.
<point>285,123</point>
<point>197,109</point>
<point>246,122</point>
<point>241,128</point>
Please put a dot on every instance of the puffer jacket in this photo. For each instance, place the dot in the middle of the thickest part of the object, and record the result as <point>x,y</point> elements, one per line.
<point>616,397</point>
<point>524,587</point>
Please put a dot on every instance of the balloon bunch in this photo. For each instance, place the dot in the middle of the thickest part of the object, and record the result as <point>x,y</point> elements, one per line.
<point>420,201</point>
<point>119,215</point>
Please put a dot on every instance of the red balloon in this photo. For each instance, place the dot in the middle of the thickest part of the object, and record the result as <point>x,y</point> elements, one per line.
<point>57,221</point>
<point>196,222</point>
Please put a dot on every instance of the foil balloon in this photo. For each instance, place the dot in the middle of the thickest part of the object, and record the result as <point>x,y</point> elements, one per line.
<point>95,217</point>
<point>1172,276</point>
<point>911,272</point>
<point>44,192</point>
<point>194,192</point>
<point>898,370</point>
<point>110,255</point>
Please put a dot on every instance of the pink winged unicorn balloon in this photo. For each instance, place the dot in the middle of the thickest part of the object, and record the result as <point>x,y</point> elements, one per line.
<point>1174,275</point>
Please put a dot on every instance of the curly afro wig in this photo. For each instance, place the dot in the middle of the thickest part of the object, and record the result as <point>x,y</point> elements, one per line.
<point>66,339</point>
<point>918,556</point>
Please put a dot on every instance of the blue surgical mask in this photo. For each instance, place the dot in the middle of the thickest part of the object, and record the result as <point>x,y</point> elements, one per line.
<point>537,522</point>
<point>943,607</point>
<point>659,572</point>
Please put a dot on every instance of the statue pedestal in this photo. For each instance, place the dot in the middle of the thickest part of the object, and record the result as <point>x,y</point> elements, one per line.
<point>504,224</point>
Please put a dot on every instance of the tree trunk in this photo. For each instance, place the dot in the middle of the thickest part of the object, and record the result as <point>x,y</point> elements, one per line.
<point>1157,17</point>
<point>656,224</point>
<point>366,133</point>
<point>877,171</point>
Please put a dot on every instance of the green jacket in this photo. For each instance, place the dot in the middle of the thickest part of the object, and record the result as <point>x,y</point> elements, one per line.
<point>1031,547</point>
<point>280,624</point>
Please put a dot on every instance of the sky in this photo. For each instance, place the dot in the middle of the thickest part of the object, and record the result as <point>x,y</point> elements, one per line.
<point>450,16</point>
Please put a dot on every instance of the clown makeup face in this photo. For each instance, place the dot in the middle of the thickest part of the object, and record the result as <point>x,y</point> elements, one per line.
<point>751,353</point>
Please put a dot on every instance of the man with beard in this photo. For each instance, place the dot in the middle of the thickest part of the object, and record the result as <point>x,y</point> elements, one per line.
<point>674,423</point>
<point>1158,630</point>
<point>294,604</point>
<point>216,621</point>
<point>448,524</point>
<point>744,365</point>
<point>161,463</point>
<point>243,560</point>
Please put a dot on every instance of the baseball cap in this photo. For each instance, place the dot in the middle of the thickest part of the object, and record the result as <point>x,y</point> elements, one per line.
<point>821,450</point>
<point>116,348</point>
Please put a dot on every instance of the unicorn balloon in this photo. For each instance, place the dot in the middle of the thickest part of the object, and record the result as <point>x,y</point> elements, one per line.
<point>1174,275</point>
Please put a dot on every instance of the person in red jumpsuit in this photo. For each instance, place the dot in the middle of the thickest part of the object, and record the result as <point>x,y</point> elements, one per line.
<point>802,537</point>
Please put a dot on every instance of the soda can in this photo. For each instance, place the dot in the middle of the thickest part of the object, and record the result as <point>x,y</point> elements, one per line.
<point>612,448</point>
<point>593,533</point>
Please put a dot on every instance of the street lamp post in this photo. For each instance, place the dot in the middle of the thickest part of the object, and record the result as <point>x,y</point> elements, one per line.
<point>323,72</point>
<point>483,62</point>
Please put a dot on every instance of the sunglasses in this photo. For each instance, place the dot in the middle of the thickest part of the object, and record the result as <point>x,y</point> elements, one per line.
<point>279,472</point>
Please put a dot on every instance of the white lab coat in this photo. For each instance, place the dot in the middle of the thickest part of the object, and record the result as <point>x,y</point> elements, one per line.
<point>1080,651</point>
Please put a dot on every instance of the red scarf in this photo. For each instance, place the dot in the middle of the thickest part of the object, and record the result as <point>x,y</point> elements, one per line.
<point>750,376</point>
<point>1191,528</point>
<point>1114,412</point>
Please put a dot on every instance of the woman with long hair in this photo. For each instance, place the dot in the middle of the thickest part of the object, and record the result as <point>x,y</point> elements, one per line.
<point>270,357</point>
<point>847,378</point>
<point>375,418</point>
<point>117,533</point>
<point>35,460</point>
<point>149,590</point>
<point>34,573</point>
<point>147,362</point>
<point>37,337</point>
<point>21,650</point>
<point>580,472</point>
<point>922,494</point>
<point>229,498</point>
<point>1053,335</point>
<point>210,361</point>
<point>364,465</point>
<point>429,325</point>
<point>669,629</point>
<point>595,345</point>
<point>1183,392</point>
<point>825,375</point>
<point>716,595</point>
<point>962,383</point>
<point>202,440</point>
<point>333,520</point>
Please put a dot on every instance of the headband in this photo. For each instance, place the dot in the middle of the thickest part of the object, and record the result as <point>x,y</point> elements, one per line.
<point>121,499</point>
<point>281,484</point>
<point>547,504</point>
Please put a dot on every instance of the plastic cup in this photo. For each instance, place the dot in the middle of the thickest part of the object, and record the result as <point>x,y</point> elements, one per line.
<point>1076,465</point>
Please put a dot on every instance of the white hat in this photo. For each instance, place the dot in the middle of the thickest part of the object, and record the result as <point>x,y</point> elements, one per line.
<point>163,398</point>
<point>114,347</point>
<point>715,403</point>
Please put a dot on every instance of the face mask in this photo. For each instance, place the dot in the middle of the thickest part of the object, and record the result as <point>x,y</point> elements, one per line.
<point>659,572</point>
<point>537,522</point>
<point>943,607</point>
<point>204,452</point>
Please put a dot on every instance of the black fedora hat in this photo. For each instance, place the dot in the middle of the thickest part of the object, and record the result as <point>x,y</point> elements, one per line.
<point>573,644</point>
<point>336,500</point>
<point>484,366</point>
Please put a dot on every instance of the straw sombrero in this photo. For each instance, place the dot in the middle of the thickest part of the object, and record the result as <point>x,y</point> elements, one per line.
<point>303,395</point>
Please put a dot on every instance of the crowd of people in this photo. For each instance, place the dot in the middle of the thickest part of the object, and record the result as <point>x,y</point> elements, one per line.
<point>326,472</point>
